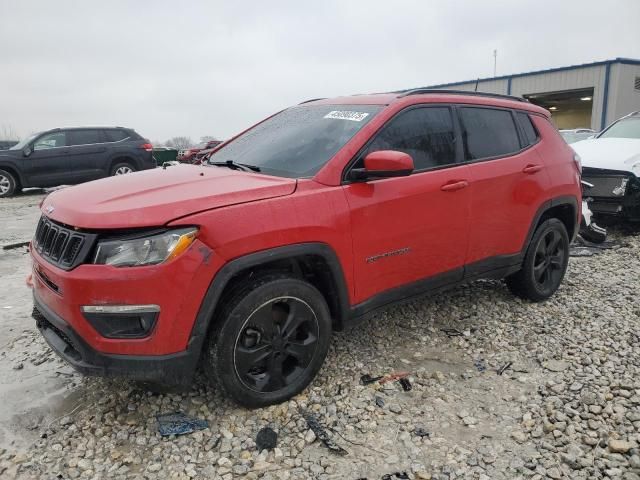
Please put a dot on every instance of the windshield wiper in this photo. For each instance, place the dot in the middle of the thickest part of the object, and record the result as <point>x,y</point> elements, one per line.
<point>236,166</point>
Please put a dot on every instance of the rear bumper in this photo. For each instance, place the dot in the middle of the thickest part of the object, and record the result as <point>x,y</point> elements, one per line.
<point>176,369</point>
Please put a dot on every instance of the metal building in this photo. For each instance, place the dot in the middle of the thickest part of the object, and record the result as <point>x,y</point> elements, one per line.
<point>591,95</point>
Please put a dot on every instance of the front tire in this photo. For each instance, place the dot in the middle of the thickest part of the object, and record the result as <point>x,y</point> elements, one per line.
<point>8,184</point>
<point>545,263</point>
<point>271,340</point>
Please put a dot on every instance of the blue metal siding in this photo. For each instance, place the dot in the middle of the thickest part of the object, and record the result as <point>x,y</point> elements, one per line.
<point>605,96</point>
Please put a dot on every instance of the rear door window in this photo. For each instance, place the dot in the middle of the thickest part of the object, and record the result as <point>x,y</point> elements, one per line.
<point>115,135</point>
<point>84,137</point>
<point>488,132</point>
<point>426,134</point>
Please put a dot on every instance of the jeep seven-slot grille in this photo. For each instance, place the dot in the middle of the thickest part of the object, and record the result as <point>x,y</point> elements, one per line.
<point>60,245</point>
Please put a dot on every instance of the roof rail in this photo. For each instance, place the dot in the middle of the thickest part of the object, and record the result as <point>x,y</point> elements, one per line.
<point>421,91</point>
<point>312,100</point>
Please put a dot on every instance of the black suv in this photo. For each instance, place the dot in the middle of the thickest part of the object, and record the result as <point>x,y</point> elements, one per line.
<point>72,155</point>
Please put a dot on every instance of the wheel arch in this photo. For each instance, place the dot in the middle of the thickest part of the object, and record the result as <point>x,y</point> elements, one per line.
<point>316,263</point>
<point>15,172</point>
<point>122,158</point>
<point>563,208</point>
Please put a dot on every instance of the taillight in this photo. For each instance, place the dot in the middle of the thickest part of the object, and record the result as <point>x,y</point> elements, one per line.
<point>147,147</point>
<point>578,160</point>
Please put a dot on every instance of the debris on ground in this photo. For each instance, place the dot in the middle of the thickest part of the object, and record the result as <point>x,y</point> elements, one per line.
<point>379,401</point>
<point>452,332</point>
<point>367,379</point>
<point>503,368</point>
<point>479,364</point>
<point>267,439</point>
<point>179,424</point>
<point>322,434</point>
<point>405,384</point>
<point>11,246</point>
<point>396,475</point>
<point>584,248</point>
<point>393,377</point>
<point>421,432</point>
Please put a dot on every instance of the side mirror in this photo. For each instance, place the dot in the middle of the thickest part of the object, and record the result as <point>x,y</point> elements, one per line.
<point>26,151</point>
<point>383,164</point>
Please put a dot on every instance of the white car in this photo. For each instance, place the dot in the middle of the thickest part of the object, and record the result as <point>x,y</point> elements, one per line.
<point>611,166</point>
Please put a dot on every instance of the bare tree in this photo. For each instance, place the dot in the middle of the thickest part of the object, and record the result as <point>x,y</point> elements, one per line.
<point>179,142</point>
<point>8,133</point>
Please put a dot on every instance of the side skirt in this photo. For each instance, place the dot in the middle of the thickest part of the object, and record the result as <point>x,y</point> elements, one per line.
<point>491,268</point>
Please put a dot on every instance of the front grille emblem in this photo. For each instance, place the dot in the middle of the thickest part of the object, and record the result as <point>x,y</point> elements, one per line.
<point>50,209</point>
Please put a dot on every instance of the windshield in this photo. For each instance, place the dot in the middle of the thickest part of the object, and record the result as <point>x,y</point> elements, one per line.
<point>297,142</point>
<point>23,143</point>
<point>625,128</point>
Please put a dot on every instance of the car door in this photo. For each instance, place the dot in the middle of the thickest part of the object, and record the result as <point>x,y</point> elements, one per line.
<point>411,228</point>
<point>48,163</point>
<point>508,183</point>
<point>87,149</point>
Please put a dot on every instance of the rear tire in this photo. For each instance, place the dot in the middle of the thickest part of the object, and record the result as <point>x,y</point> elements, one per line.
<point>122,168</point>
<point>545,263</point>
<point>270,341</point>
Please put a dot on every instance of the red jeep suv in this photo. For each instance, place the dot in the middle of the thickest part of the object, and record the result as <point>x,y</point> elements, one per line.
<point>309,221</point>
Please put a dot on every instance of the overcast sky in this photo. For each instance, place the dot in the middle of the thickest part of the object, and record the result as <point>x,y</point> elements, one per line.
<point>169,68</point>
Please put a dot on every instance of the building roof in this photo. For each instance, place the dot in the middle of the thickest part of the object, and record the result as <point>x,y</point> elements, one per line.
<point>625,61</point>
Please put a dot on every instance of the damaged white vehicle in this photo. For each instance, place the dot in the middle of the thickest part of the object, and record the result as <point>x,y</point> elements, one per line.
<point>611,170</point>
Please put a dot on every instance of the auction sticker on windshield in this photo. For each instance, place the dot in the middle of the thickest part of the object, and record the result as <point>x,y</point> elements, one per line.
<point>347,115</point>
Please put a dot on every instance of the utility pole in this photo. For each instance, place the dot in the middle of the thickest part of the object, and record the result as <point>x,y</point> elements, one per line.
<point>495,62</point>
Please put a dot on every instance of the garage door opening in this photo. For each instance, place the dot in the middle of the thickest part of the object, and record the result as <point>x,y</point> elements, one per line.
<point>569,109</point>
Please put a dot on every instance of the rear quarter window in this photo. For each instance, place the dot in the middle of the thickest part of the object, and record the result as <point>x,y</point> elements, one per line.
<point>488,132</point>
<point>529,131</point>
<point>115,135</point>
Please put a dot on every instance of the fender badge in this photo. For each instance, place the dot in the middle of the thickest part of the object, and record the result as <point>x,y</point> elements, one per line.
<point>50,209</point>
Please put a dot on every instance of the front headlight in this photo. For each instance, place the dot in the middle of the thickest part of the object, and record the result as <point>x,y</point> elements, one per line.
<point>141,251</point>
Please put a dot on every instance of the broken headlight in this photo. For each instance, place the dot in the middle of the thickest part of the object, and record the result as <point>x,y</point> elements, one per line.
<point>621,189</point>
<point>149,250</point>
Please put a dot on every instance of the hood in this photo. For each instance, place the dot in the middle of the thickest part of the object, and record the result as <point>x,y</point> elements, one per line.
<point>155,197</point>
<point>610,153</point>
<point>10,154</point>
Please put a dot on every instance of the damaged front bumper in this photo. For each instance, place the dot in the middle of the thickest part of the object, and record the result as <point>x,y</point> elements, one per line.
<point>175,369</point>
<point>612,193</point>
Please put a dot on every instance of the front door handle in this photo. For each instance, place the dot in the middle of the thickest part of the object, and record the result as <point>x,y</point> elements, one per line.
<point>453,186</point>
<point>531,168</point>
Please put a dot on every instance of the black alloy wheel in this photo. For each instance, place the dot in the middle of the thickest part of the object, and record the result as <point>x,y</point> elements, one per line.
<point>276,344</point>
<point>549,260</point>
<point>269,341</point>
<point>544,264</point>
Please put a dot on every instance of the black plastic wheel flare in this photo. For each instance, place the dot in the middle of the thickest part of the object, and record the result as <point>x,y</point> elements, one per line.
<point>276,344</point>
<point>548,260</point>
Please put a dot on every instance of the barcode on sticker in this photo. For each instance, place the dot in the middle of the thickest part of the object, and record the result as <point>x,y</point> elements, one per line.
<point>347,115</point>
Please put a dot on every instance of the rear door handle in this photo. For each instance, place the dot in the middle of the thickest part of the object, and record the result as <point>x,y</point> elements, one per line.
<point>532,168</point>
<point>453,186</point>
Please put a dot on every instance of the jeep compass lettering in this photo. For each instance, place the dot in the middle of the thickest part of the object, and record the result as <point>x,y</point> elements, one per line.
<point>311,220</point>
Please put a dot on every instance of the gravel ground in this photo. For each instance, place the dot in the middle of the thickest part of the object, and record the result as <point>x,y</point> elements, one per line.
<point>568,406</point>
